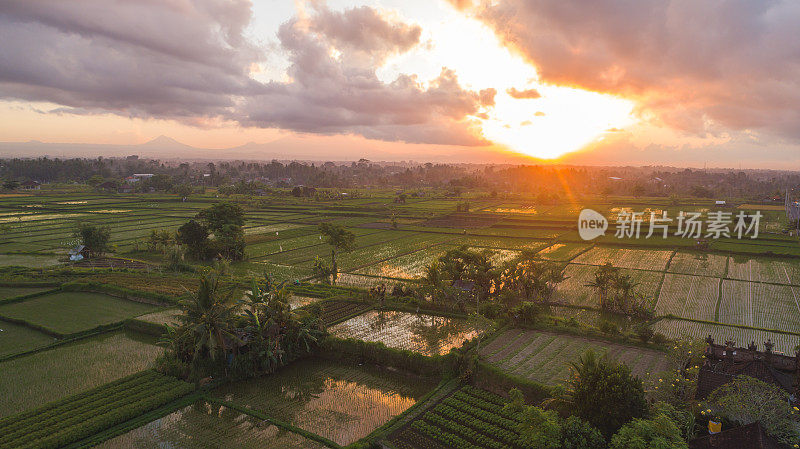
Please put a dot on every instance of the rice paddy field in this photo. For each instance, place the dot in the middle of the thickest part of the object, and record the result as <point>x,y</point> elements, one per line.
<point>70,312</point>
<point>15,338</point>
<point>204,425</point>
<point>339,402</point>
<point>11,292</point>
<point>545,356</point>
<point>682,329</point>
<point>738,290</point>
<point>168,316</point>
<point>36,379</point>
<point>626,258</point>
<point>426,334</point>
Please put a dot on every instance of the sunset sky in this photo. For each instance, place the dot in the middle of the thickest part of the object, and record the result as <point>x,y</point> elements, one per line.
<point>638,82</point>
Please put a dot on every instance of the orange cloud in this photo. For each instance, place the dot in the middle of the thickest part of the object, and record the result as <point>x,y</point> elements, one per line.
<point>524,94</point>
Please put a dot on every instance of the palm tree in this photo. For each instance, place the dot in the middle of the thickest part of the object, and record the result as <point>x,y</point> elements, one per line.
<point>208,319</point>
<point>602,283</point>
<point>340,239</point>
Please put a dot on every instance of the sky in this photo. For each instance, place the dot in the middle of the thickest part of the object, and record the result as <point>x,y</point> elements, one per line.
<point>602,82</point>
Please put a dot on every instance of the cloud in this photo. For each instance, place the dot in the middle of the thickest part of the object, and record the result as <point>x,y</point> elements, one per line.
<point>364,31</point>
<point>523,94</point>
<point>171,59</point>
<point>334,88</point>
<point>191,61</point>
<point>700,67</point>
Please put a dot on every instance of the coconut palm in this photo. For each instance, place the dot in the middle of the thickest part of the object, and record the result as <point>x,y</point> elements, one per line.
<point>340,239</point>
<point>208,319</point>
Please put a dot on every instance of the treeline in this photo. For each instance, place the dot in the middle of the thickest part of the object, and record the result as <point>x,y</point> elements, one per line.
<point>546,183</point>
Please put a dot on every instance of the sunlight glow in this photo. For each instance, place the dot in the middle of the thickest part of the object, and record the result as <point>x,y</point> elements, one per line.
<point>561,121</point>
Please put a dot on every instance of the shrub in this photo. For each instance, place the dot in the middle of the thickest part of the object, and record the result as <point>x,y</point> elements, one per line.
<point>490,310</point>
<point>747,400</point>
<point>657,433</point>
<point>606,394</point>
<point>660,339</point>
<point>644,332</point>
<point>609,327</point>
<point>527,312</point>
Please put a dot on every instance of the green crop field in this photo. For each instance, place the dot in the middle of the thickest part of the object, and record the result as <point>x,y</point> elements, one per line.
<point>339,402</point>
<point>562,252</point>
<point>408,266</point>
<point>626,258</point>
<point>33,380</point>
<point>469,418</point>
<point>574,290</point>
<point>545,356</point>
<point>71,312</point>
<point>764,306</point>
<point>687,262</point>
<point>10,292</point>
<point>74,418</point>
<point>744,290</point>
<point>764,270</point>
<point>15,338</point>
<point>426,334</point>
<point>688,296</point>
<point>168,316</point>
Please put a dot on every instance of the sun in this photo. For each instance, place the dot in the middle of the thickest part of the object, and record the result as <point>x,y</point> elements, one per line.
<point>561,121</point>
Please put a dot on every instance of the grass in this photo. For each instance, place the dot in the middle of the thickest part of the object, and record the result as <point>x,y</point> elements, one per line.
<point>426,334</point>
<point>70,312</point>
<point>34,380</point>
<point>15,338</point>
<point>340,402</point>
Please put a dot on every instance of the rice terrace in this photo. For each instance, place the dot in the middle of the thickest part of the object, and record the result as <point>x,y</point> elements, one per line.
<point>425,318</point>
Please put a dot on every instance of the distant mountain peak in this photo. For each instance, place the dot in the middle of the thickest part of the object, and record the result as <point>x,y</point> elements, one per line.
<point>164,142</point>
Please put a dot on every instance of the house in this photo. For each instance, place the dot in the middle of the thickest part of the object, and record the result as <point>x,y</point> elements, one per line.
<point>723,363</point>
<point>751,436</point>
<point>30,185</point>
<point>80,252</point>
<point>125,188</point>
<point>720,203</point>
